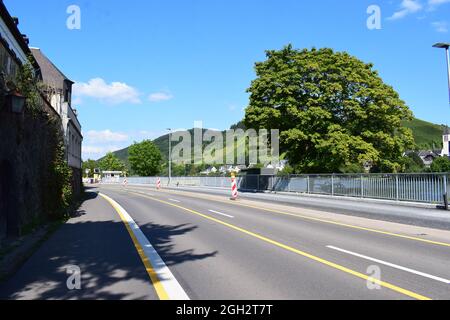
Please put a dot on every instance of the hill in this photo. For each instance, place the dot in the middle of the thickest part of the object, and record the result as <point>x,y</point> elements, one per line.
<point>426,134</point>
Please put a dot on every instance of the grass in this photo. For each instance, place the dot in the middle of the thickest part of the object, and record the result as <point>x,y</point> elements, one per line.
<point>427,135</point>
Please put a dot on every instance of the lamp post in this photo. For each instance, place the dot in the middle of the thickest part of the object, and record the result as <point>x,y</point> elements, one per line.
<point>170,154</point>
<point>445,46</point>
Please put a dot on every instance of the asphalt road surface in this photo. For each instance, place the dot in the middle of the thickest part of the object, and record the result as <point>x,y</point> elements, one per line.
<point>138,243</point>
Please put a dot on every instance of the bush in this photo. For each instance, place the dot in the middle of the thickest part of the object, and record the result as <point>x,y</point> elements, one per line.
<point>441,164</point>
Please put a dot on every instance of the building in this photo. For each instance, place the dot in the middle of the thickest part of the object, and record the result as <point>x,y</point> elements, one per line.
<point>25,149</point>
<point>58,91</point>
<point>428,157</point>
<point>14,50</point>
<point>112,176</point>
<point>446,143</point>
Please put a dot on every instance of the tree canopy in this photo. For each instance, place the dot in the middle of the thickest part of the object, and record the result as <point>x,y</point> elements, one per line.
<point>333,111</point>
<point>111,163</point>
<point>145,158</point>
<point>90,165</point>
<point>441,164</point>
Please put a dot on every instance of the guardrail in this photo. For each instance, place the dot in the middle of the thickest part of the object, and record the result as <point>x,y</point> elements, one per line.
<point>426,188</point>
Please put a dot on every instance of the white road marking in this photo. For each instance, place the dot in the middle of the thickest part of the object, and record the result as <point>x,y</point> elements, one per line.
<point>220,213</point>
<point>174,200</point>
<point>165,276</point>
<point>419,273</point>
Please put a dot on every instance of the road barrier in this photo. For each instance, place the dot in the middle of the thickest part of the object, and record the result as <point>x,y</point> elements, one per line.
<point>234,188</point>
<point>158,183</point>
<point>425,188</point>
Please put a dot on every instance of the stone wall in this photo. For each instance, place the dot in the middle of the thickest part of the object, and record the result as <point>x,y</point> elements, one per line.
<point>27,148</point>
<point>77,181</point>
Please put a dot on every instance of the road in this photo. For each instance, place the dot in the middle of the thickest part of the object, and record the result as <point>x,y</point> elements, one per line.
<point>139,243</point>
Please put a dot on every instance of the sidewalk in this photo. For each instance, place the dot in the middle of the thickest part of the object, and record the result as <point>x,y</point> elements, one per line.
<point>97,243</point>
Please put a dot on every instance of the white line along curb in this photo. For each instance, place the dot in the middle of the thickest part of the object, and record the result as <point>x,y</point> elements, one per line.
<point>165,276</point>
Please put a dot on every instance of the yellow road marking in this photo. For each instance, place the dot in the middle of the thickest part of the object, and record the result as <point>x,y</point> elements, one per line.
<point>323,220</point>
<point>160,291</point>
<point>299,252</point>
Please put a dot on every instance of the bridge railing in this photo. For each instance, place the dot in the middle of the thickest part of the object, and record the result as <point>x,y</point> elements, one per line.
<point>425,188</point>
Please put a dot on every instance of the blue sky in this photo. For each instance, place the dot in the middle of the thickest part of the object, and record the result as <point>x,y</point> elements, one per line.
<point>143,66</point>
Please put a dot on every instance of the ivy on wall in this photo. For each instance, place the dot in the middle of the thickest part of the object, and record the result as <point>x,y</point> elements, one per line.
<point>57,194</point>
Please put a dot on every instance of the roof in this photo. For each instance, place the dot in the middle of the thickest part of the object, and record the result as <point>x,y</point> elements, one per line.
<point>51,75</point>
<point>8,20</point>
<point>427,153</point>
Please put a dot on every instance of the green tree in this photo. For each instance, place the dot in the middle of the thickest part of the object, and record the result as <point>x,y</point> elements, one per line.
<point>90,165</point>
<point>333,111</point>
<point>413,163</point>
<point>145,158</point>
<point>441,164</point>
<point>111,163</point>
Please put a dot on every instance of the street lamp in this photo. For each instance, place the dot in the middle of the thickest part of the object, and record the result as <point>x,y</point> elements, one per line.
<point>170,154</point>
<point>445,46</point>
<point>16,102</point>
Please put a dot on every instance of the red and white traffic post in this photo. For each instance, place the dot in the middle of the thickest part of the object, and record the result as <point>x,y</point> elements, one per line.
<point>234,189</point>
<point>158,184</point>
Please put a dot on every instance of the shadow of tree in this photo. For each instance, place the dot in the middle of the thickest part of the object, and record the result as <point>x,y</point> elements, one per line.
<point>161,239</point>
<point>110,266</point>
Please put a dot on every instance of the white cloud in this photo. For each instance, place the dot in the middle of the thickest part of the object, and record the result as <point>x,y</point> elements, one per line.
<point>100,142</point>
<point>96,152</point>
<point>160,96</point>
<point>113,93</point>
<point>105,136</point>
<point>440,26</point>
<point>407,7</point>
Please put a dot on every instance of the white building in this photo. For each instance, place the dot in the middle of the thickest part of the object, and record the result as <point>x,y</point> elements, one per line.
<point>446,143</point>
<point>58,90</point>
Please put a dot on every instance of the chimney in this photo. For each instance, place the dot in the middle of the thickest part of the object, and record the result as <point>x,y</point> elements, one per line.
<point>16,20</point>
<point>26,39</point>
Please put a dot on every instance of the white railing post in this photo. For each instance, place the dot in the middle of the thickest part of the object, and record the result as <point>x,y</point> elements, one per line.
<point>332,185</point>
<point>397,188</point>
<point>362,186</point>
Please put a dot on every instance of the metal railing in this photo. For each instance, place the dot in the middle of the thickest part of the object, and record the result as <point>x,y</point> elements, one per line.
<point>425,188</point>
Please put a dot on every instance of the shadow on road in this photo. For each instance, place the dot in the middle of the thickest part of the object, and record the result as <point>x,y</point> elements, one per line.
<point>162,239</point>
<point>110,266</point>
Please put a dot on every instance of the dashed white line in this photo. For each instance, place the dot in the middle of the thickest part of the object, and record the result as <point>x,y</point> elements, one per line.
<point>174,200</point>
<point>419,273</point>
<point>220,213</point>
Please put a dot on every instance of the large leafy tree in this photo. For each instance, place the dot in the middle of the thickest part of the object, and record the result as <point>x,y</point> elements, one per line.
<point>111,163</point>
<point>145,158</point>
<point>333,110</point>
